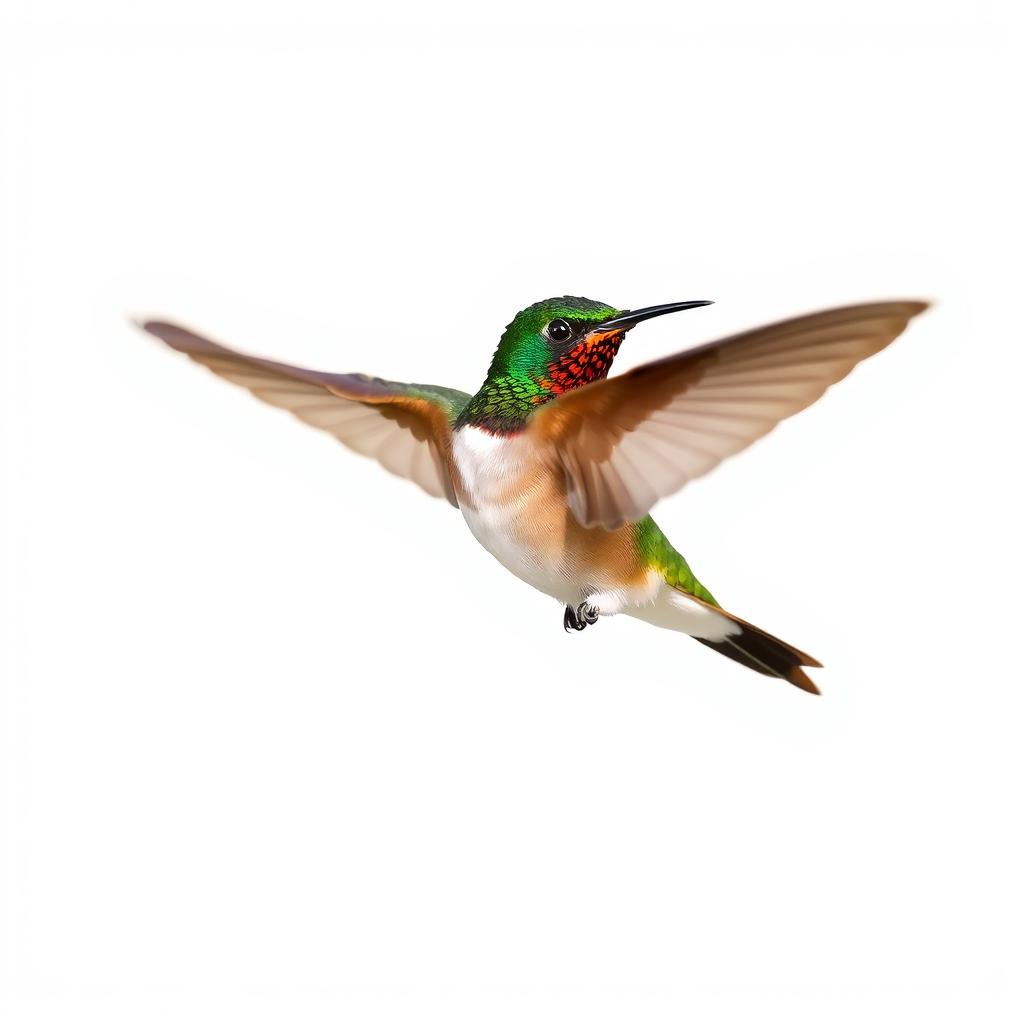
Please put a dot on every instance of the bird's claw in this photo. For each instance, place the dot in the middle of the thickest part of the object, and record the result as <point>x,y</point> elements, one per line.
<point>580,617</point>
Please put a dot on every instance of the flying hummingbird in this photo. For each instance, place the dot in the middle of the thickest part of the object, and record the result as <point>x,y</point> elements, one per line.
<point>555,465</point>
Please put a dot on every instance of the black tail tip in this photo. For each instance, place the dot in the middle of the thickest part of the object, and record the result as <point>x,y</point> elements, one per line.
<point>763,653</point>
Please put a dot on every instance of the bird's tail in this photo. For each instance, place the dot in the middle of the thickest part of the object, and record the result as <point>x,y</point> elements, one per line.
<point>763,652</point>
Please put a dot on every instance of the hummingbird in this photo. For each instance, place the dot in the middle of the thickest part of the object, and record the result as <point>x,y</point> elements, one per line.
<point>556,466</point>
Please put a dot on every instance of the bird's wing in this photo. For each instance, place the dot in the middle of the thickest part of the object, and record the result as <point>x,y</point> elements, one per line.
<point>405,427</point>
<point>625,442</point>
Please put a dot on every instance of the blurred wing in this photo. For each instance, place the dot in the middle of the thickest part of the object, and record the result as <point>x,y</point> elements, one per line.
<point>405,427</point>
<point>625,442</point>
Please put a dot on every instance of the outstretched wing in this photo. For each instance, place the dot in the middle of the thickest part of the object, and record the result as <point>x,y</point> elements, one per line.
<point>405,427</point>
<point>625,442</point>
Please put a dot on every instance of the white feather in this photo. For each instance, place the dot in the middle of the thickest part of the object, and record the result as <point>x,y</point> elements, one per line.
<point>487,464</point>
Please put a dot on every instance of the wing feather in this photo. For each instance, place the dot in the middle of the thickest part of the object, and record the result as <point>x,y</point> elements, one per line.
<point>625,442</point>
<point>405,427</point>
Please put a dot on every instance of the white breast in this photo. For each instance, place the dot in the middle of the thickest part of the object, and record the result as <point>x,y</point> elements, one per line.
<point>502,480</point>
<point>488,464</point>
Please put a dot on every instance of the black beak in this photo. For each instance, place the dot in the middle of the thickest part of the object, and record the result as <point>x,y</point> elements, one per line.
<point>631,317</point>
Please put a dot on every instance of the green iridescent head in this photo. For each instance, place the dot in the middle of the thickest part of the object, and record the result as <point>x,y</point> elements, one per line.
<point>543,332</point>
<point>549,348</point>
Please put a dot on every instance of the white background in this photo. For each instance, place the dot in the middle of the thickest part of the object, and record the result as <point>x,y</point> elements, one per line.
<point>280,742</point>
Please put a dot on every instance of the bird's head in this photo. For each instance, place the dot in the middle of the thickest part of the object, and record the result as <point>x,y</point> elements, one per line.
<point>549,348</point>
<point>556,345</point>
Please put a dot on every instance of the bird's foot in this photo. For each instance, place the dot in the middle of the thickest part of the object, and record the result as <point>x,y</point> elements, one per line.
<point>580,617</point>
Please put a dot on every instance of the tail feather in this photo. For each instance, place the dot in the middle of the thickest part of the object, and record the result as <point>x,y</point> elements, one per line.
<point>763,653</point>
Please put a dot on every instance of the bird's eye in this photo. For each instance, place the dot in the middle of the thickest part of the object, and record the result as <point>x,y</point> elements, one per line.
<point>559,330</point>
